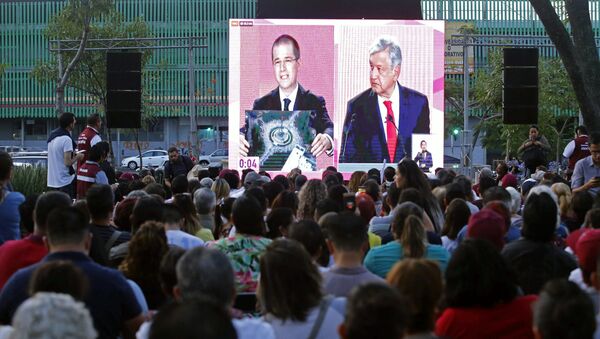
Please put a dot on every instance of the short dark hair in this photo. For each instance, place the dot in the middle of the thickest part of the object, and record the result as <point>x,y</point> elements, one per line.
<point>375,311</point>
<point>286,199</point>
<point>389,173</point>
<point>179,184</point>
<point>99,201</point>
<point>325,206</point>
<point>478,276</point>
<point>592,218</point>
<point>372,189</point>
<point>60,276</point>
<point>155,188</point>
<point>46,203</point>
<point>271,190</point>
<point>247,215</point>
<point>309,234</point>
<point>145,209</point>
<point>485,183</point>
<point>65,119</point>
<point>454,191</point>
<point>336,193</point>
<point>67,225</point>
<point>563,310</point>
<point>95,153</point>
<point>347,231</point>
<point>198,317</point>
<point>300,181</point>
<point>6,165</point>
<point>497,193</point>
<point>279,217</point>
<point>232,179</point>
<point>26,212</point>
<point>283,180</point>
<point>104,147</point>
<point>534,126</point>
<point>287,39</point>
<point>581,203</point>
<point>581,129</point>
<point>290,282</point>
<point>412,195</point>
<point>539,217</point>
<point>172,149</point>
<point>167,272</point>
<point>93,119</point>
<point>171,214</point>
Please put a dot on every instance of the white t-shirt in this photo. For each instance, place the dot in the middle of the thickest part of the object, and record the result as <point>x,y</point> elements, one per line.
<point>247,328</point>
<point>183,240</point>
<point>290,329</point>
<point>58,173</point>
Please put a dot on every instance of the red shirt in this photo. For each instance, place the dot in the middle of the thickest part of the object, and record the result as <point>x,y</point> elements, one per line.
<point>511,320</point>
<point>17,254</point>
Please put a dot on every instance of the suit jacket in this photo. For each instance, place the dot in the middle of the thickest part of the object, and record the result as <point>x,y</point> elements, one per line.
<point>363,136</point>
<point>305,100</point>
<point>425,163</point>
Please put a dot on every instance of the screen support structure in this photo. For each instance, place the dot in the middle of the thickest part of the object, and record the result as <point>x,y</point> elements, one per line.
<point>114,44</point>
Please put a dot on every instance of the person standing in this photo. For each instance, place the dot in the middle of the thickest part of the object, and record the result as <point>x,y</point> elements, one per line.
<point>577,149</point>
<point>90,172</point>
<point>534,149</point>
<point>177,165</point>
<point>424,158</point>
<point>61,157</point>
<point>586,175</point>
<point>89,136</point>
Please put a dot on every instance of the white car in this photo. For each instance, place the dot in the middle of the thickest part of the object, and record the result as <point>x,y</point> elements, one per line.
<point>152,158</point>
<point>217,156</point>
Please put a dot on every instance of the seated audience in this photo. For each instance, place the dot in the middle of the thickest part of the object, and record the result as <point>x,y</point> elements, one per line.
<point>487,225</point>
<point>191,222</point>
<point>104,235</point>
<point>410,242</point>
<point>310,235</point>
<point>563,311</point>
<point>457,217</point>
<point>279,221</point>
<point>9,202</point>
<point>290,294</point>
<point>420,281</point>
<point>347,242</point>
<point>534,257</point>
<point>482,297</point>
<point>110,299</point>
<point>146,249</point>
<point>310,194</point>
<point>17,254</point>
<point>167,273</point>
<point>246,246</point>
<point>173,220</point>
<point>374,311</point>
<point>205,201</point>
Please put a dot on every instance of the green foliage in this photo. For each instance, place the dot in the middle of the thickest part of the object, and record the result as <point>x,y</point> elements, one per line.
<point>89,75</point>
<point>555,93</point>
<point>29,180</point>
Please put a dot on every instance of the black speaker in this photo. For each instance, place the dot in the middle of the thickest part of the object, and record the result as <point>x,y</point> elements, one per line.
<point>520,91</point>
<point>339,9</point>
<point>123,90</point>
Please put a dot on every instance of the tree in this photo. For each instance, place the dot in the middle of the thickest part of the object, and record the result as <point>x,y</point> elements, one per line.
<point>578,53</point>
<point>555,96</point>
<point>87,69</point>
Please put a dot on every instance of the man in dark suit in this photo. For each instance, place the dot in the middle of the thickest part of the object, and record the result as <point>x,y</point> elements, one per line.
<point>289,96</point>
<point>381,120</point>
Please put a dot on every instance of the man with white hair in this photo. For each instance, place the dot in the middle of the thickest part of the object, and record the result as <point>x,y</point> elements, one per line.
<point>205,201</point>
<point>381,120</point>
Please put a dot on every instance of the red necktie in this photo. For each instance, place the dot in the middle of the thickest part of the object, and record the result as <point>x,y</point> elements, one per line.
<point>392,133</point>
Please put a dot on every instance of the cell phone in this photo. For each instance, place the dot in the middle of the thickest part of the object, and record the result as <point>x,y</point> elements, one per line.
<point>597,178</point>
<point>349,201</point>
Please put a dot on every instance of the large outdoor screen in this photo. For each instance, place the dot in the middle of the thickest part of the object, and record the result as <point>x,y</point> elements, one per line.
<point>355,94</point>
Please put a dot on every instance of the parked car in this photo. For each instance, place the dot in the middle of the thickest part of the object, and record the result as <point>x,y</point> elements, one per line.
<point>216,156</point>
<point>152,158</point>
<point>12,149</point>
<point>30,161</point>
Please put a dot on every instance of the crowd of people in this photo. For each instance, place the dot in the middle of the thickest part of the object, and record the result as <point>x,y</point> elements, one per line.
<point>224,254</point>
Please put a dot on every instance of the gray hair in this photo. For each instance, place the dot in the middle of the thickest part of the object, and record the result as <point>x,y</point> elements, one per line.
<point>137,194</point>
<point>386,42</point>
<point>208,272</point>
<point>205,200</point>
<point>515,196</point>
<point>52,315</point>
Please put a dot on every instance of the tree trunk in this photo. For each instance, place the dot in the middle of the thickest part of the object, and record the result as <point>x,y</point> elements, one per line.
<point>137,145</point>
<point>579,55</point>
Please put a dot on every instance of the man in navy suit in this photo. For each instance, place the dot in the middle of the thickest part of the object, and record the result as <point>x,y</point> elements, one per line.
<point>289,96</point>
<point>381,120</point>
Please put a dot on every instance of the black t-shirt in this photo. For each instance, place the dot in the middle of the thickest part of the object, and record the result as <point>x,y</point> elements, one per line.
<point>100,235</point>
<point>182,166</point>
<point>535,263</point>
